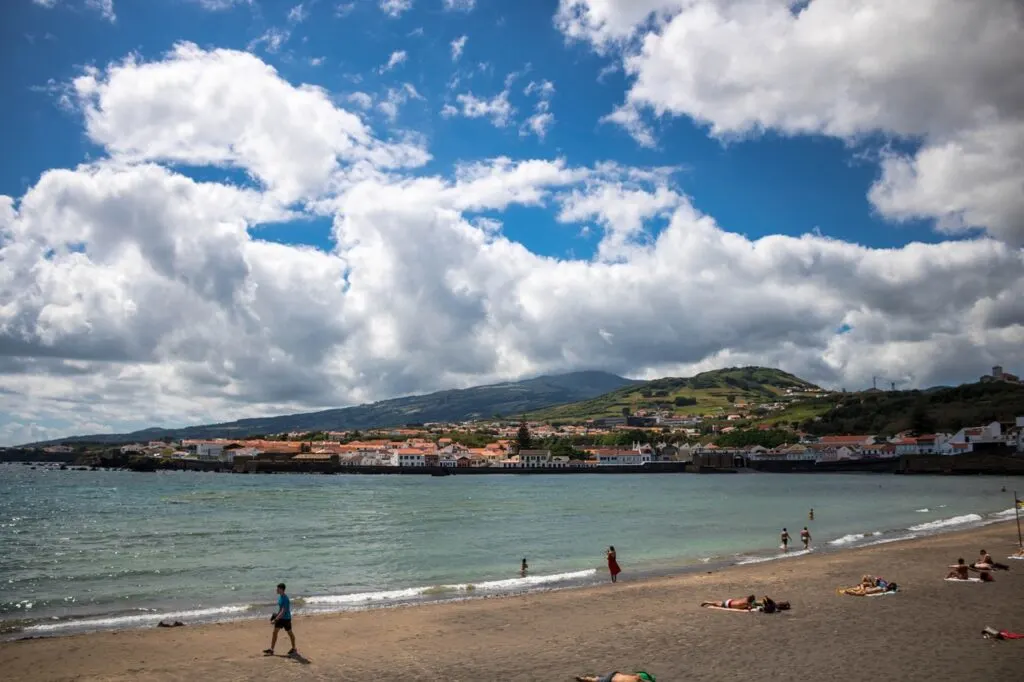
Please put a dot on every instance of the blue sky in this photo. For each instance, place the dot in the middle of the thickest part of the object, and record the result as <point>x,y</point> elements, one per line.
<point>758,186</point>
<point>224,208</point>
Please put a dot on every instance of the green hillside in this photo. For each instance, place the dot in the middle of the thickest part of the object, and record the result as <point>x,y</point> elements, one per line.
<point>707,394</point>
<point>480,402</point>
<point>889,412</point>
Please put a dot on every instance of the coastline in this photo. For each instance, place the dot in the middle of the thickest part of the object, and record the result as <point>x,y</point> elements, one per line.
<point>655,623</point>
<point>387,597</point>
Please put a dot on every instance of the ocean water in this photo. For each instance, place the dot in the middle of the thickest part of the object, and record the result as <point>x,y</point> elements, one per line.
<point>87,550</point>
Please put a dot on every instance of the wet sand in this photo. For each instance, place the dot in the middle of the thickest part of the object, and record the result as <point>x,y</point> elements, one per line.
<point>930,631</point>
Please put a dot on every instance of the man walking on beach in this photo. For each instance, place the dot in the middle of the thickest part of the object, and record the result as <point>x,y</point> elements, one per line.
<point>805,537</point>
<point>282,621</point>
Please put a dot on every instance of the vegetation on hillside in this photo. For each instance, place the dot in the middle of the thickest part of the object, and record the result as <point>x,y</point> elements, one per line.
<point>480,402</point>
<point>890,412</point>
<point>707,393</point>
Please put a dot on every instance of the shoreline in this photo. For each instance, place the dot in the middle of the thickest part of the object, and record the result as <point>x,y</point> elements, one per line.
<point>317,605</point>
<point>653,623</point>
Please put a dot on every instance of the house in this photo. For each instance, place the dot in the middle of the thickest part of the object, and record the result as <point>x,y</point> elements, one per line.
<point>534,458</point>
<point>408,457</point>
<point>989,433</point>
<point>209,450</point>
<point>846,441</point>
<point>623,458</point>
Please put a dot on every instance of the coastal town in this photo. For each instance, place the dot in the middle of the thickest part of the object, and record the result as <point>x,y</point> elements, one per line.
<point>445,446</point>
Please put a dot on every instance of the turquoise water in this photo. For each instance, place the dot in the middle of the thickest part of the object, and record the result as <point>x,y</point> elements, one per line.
<point>100,549</point>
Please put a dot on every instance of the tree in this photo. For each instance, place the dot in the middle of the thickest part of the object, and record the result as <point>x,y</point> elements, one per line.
<point>523,438</point>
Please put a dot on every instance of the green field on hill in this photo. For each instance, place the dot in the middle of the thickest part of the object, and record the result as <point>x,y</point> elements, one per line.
<point>708,394</point>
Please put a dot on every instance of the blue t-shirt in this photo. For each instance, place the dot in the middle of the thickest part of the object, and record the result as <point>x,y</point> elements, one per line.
<point>285,606</point>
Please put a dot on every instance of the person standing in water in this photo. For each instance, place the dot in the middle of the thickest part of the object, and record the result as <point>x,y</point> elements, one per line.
<point>810,515</point>
<point>805,537</point>
<point>523,568</point>
<point>613,564</point>
<point>785,540</point>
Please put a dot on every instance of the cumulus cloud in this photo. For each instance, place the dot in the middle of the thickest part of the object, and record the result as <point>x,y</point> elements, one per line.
<point>104,7</point>
<point>221,5</point>
<point>458,45</point>
<point>497,109</point>
<point>133,294</point>
<point>542,119</point>
<point>397,57</point>
<point>395,98</point>
<point>459,5</point>
<point>843,69</point>
<point>395,8</point>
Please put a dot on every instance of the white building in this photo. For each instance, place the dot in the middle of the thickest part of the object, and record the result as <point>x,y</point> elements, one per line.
<point>209,451</point>
<point>623,458</point>
<point>408,458</point>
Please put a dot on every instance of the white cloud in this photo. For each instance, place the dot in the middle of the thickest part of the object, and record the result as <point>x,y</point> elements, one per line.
<point>134,295</point>
<point>272,40</point>
<point>459,5</point>
<point>104,7</point>
<point>48,4</point>
<point>361,100</point>
<point>395,8</point>
<point>629,118</point>
<point>542,119</point>
<point>538,124</point>
<point>298,13</point>
<point>316,61</point>
<point>843,69</point>
<point>498,109</point>
<point>343,9</point>
<point>239,113</point>
<point>395,98</point>
<point>221,5</point>
<point>397,57</point>
<point>457,46</point>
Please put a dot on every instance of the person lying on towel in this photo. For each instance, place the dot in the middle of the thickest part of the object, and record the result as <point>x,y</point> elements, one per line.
<point>986,563</point>
<point>870,585</point>
<point>961,571</point>
<point>618,677</point>
<point>741,604</point>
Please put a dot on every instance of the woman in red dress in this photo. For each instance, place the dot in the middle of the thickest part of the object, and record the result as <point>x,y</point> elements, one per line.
<point>613,565</point>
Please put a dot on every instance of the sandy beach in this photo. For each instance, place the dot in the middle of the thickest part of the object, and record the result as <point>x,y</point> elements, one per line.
<point>929,631</point>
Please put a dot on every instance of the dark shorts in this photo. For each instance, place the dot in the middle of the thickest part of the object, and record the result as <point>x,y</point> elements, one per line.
<point>283,624</point>
<point>608,677</point>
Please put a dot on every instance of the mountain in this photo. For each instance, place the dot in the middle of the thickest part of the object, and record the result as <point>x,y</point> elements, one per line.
<point>509,399</point>
<point>704,393</point>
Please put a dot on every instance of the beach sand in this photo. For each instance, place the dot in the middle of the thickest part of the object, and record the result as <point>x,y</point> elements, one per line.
<point>931,631</point>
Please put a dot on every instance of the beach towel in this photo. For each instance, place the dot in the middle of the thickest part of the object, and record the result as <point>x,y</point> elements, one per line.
<point>1018,558</point>
<point>852,592</point>
<point>961,580</point>
<point>722,608</point>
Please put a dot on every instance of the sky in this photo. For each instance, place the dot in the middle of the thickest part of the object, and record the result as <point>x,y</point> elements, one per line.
<point>216,209</point>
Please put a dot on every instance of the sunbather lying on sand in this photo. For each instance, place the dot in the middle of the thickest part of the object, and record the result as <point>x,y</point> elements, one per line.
<point>741,604</point>
<point>869,586</point>
<point>986,563</point>
<point>961,571</point>
<point>1019,552</point>
<point>618,677</point>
